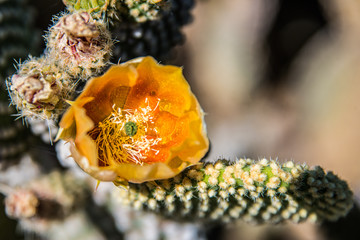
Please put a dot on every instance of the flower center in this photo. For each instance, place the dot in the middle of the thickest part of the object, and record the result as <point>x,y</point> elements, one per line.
<point>126,136</point>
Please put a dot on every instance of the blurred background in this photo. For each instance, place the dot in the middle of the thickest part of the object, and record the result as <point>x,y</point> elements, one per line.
<point>280,79</point>
<point>277,79</point>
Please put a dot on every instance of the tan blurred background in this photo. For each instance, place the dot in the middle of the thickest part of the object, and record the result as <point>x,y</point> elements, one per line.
<point>308,111</point>
<point>280,79</point>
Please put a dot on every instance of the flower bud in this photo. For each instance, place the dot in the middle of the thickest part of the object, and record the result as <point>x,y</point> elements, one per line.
<point>79,44</point>
<point>39,88</point>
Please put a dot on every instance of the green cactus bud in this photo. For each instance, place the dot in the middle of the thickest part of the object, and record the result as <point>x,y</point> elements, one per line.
<point>99,9</point>
<point>112,10</point>
<point>257,192</point>
<point>143,10</point>
<point>89,5</point>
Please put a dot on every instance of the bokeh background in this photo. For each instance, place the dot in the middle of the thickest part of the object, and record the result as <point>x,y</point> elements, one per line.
<point>281,79</point>
<point>278,79</point>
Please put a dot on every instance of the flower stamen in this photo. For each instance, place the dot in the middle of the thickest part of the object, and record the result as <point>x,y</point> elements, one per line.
<point>126,136</point>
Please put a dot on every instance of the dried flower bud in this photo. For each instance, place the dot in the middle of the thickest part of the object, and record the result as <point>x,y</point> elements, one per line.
<point>35,89</point>
<point>39,88</point>
<point>79,44</point>
<point>79,25</point>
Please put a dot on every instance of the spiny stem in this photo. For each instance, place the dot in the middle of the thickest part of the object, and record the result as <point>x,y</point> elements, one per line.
<point>263,191</point>
<point>114,10</point>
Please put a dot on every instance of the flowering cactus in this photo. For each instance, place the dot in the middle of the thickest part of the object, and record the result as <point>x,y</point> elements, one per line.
<point>140,126</point>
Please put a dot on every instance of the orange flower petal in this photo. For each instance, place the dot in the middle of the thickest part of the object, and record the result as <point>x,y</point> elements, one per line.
<point>138,122</point>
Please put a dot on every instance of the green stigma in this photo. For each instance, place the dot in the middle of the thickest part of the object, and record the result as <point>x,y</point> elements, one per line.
<point>130,128</point>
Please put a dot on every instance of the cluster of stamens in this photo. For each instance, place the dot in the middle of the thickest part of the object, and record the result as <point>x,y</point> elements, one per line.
<point>124,137</point>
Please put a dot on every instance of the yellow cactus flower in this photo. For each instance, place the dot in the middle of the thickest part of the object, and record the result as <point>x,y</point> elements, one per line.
<point>138,122</point>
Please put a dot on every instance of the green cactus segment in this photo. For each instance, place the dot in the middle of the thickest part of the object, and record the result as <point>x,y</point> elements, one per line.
<point>14,138</point>
<point>143,10</point>
<point>99,9</point>
<point>257,192</point>
<point>118,10</point>
<point>18,38</point>
<point>87,5</point>
<point>323,193</point>
<point>31,202</point>
<point>90,4</point>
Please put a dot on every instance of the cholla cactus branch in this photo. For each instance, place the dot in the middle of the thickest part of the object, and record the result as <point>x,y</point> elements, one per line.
<point>263,191</point>
<point>116,10</point>
<point>44,202</point>
<point>17,38</point>
<point>13,136</point>
<point>92,6</point>
<point>155,38</point>
<point>143,10</point>
<point>17,35</point>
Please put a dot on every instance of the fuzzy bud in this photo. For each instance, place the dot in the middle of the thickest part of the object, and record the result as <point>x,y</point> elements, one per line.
<point>35,89</point>
<point>39,89</point>
<point>79,44</point>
